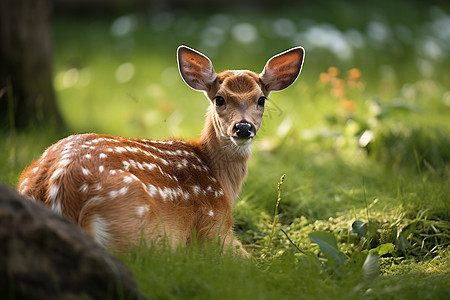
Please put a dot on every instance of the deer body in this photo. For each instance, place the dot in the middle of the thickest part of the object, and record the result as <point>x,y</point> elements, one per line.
<point>121,189</point>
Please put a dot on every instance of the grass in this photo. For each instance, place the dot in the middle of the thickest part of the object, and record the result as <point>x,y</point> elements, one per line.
<point>362,136</point>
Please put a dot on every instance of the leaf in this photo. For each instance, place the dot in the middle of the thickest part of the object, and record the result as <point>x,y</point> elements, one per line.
<point>360,228</point>
<point>328,245</point>
<point>371,267</point>
<point>402,243</point>
<point>383,249</point>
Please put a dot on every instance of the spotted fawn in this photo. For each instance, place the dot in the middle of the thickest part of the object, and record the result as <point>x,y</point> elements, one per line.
<point>120,189</point>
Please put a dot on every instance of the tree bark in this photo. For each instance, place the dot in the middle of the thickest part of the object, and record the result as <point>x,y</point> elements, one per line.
<point>26,90</point>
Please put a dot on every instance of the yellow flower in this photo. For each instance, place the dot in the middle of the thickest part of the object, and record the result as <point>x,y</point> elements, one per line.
<point>324,78</point>
<point>333,71</point>
<point>354,74</point>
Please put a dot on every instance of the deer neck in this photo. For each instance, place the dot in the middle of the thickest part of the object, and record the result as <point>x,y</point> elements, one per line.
<point>227,161</point>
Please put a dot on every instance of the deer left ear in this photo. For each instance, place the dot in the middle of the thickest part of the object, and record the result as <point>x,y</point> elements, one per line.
<point>282,69</point>
<point>195,68</point>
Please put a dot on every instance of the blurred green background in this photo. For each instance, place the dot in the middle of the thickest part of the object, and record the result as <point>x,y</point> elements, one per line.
<point>128,64</point>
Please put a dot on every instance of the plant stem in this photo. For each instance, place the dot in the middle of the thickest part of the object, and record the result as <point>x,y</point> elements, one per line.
<point>275,217</point>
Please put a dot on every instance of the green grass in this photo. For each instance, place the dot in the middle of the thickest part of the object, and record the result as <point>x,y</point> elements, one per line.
<point>396,183</point>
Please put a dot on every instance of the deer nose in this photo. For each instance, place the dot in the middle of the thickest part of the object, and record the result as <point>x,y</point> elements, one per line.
<point>243,129</point>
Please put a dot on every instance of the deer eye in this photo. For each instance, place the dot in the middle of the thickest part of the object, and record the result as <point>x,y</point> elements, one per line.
<point>219,100</point>
<point>262,101</point>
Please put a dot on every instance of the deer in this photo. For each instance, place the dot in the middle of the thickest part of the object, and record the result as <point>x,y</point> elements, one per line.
<point>121,190</point>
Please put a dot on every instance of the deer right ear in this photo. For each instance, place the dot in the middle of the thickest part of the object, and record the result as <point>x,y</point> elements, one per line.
<point>283,69</point>
<point>195,68</point>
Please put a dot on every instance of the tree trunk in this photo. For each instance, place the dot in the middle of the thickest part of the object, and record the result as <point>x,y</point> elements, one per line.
<point>26,89</point>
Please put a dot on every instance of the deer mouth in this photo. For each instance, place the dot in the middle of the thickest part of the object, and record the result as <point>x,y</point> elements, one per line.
<point>241,141</point>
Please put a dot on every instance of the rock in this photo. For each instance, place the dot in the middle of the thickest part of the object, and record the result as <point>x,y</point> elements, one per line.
<point>45,256</point>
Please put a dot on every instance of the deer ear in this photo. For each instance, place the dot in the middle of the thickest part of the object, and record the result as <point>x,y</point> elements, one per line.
<point>195,68</point>
<point>282,69</point>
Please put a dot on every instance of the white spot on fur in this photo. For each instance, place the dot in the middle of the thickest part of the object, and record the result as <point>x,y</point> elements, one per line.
<point>211,213</point>
<point>23,187</point>
<point>84,188</point>
<point>53,196</point>
<point>127,179</point>
<point>133,163</point>
<point>101,169</point>
<point>88,156</point>
<point>133,149</point>
<point>153,191</point>
<point>126,165</point>
<point>113,194</point>
<point>149,166</point>
<point>218,193</point>
<point>112,172</point>
<point>141,210</point>
<point>112,140</point>
<point>63,163</point>
<point>163,142</point>
<point>120,149</point>
<point>53,192</point>
<point>167,193</point>
<point>182,164</point>
<point>100,230</point>
<point>44,154</point>
<point>102,155</point>
<point>123,190</point>
<point>35,170</point>
<point>179,191</point>
<point>150,154</point>
<point>167,174</point>
<point>97,187</point>
<point>66,155</point>
<point>68,146</point>
<point>164,161</point>
<point>196,189</point>
<point>85,171</point>
<point>56,207</point>
<point>140,166</point>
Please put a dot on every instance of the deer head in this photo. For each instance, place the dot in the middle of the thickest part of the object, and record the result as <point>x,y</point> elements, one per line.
<point>238,97</point>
